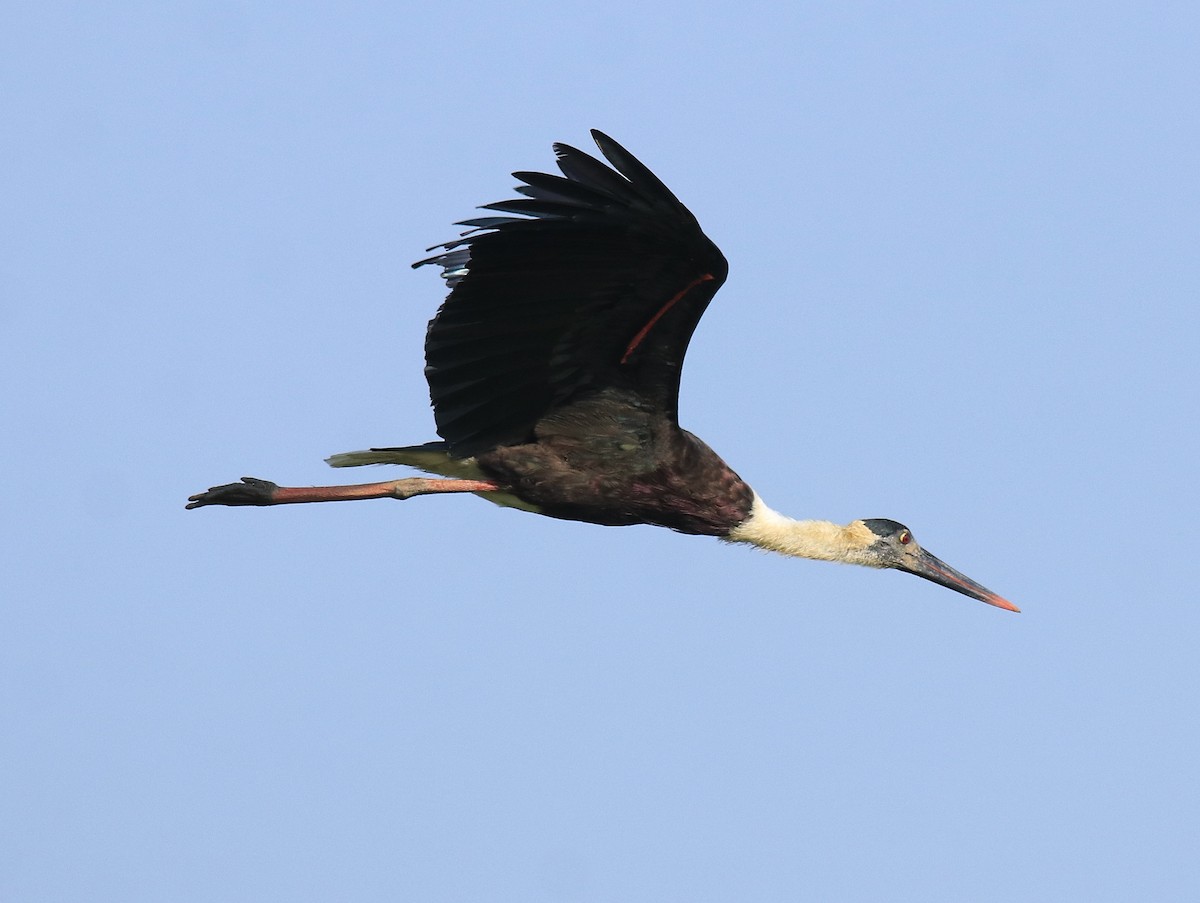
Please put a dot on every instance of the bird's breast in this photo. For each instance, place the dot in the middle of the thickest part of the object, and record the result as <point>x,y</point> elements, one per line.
<point>636,477</point>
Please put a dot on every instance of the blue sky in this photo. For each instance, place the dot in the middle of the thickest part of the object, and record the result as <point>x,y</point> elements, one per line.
<point>963,295</point>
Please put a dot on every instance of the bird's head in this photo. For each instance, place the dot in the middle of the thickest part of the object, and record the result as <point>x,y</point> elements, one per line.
<point>887,544</point>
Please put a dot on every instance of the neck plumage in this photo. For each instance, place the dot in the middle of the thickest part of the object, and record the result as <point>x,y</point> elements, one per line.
<point>817,539</point>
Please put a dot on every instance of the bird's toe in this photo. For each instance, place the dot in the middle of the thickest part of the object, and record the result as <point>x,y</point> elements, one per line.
<point>250,491</point>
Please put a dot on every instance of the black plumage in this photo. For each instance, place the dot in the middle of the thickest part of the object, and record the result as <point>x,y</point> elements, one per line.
<point>596,284</point>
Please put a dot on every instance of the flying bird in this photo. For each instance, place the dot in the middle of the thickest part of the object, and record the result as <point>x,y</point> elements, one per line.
<point>554,365</point>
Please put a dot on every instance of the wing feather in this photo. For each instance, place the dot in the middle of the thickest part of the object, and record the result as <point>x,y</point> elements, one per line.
<point>597,280</point>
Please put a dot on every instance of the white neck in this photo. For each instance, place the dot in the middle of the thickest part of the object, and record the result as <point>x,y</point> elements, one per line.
<point>818,539</point>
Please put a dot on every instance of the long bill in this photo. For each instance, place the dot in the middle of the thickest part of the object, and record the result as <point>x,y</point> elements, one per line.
<point>927,565</point>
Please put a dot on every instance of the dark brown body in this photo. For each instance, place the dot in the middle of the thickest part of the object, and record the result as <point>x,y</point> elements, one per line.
<point>612,459</point>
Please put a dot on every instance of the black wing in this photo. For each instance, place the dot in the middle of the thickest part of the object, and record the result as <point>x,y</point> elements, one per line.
<point>599,282</point>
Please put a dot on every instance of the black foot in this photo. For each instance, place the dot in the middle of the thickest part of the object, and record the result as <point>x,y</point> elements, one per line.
<point>251,491</point>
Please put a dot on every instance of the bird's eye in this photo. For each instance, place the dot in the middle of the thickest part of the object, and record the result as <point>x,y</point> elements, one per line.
<point>905,537</point>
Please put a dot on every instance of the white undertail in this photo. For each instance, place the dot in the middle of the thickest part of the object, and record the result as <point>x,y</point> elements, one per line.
<point>431,459</point>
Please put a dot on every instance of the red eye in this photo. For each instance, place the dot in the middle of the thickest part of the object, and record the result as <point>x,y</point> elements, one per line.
<point>905,537</point>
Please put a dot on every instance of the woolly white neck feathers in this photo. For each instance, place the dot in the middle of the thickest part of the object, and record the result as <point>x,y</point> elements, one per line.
<point>817,539</point>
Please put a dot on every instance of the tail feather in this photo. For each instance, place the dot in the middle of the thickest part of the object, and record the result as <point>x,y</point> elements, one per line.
<point>432,457</point>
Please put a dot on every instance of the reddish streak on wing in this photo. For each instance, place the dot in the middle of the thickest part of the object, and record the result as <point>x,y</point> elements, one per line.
<point>642,333</point>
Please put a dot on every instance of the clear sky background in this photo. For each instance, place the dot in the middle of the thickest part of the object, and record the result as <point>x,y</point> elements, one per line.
<point>964,246</point>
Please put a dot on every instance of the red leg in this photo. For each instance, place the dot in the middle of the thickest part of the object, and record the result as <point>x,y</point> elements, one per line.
<point>252,491</point>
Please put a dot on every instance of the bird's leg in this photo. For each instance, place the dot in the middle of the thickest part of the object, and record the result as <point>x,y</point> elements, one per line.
<point>253,491</point>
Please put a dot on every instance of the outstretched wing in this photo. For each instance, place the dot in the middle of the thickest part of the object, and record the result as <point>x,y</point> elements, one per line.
<point>597,282</point>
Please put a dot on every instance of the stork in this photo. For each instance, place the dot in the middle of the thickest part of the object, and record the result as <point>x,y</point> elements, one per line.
<point>554,365</point>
